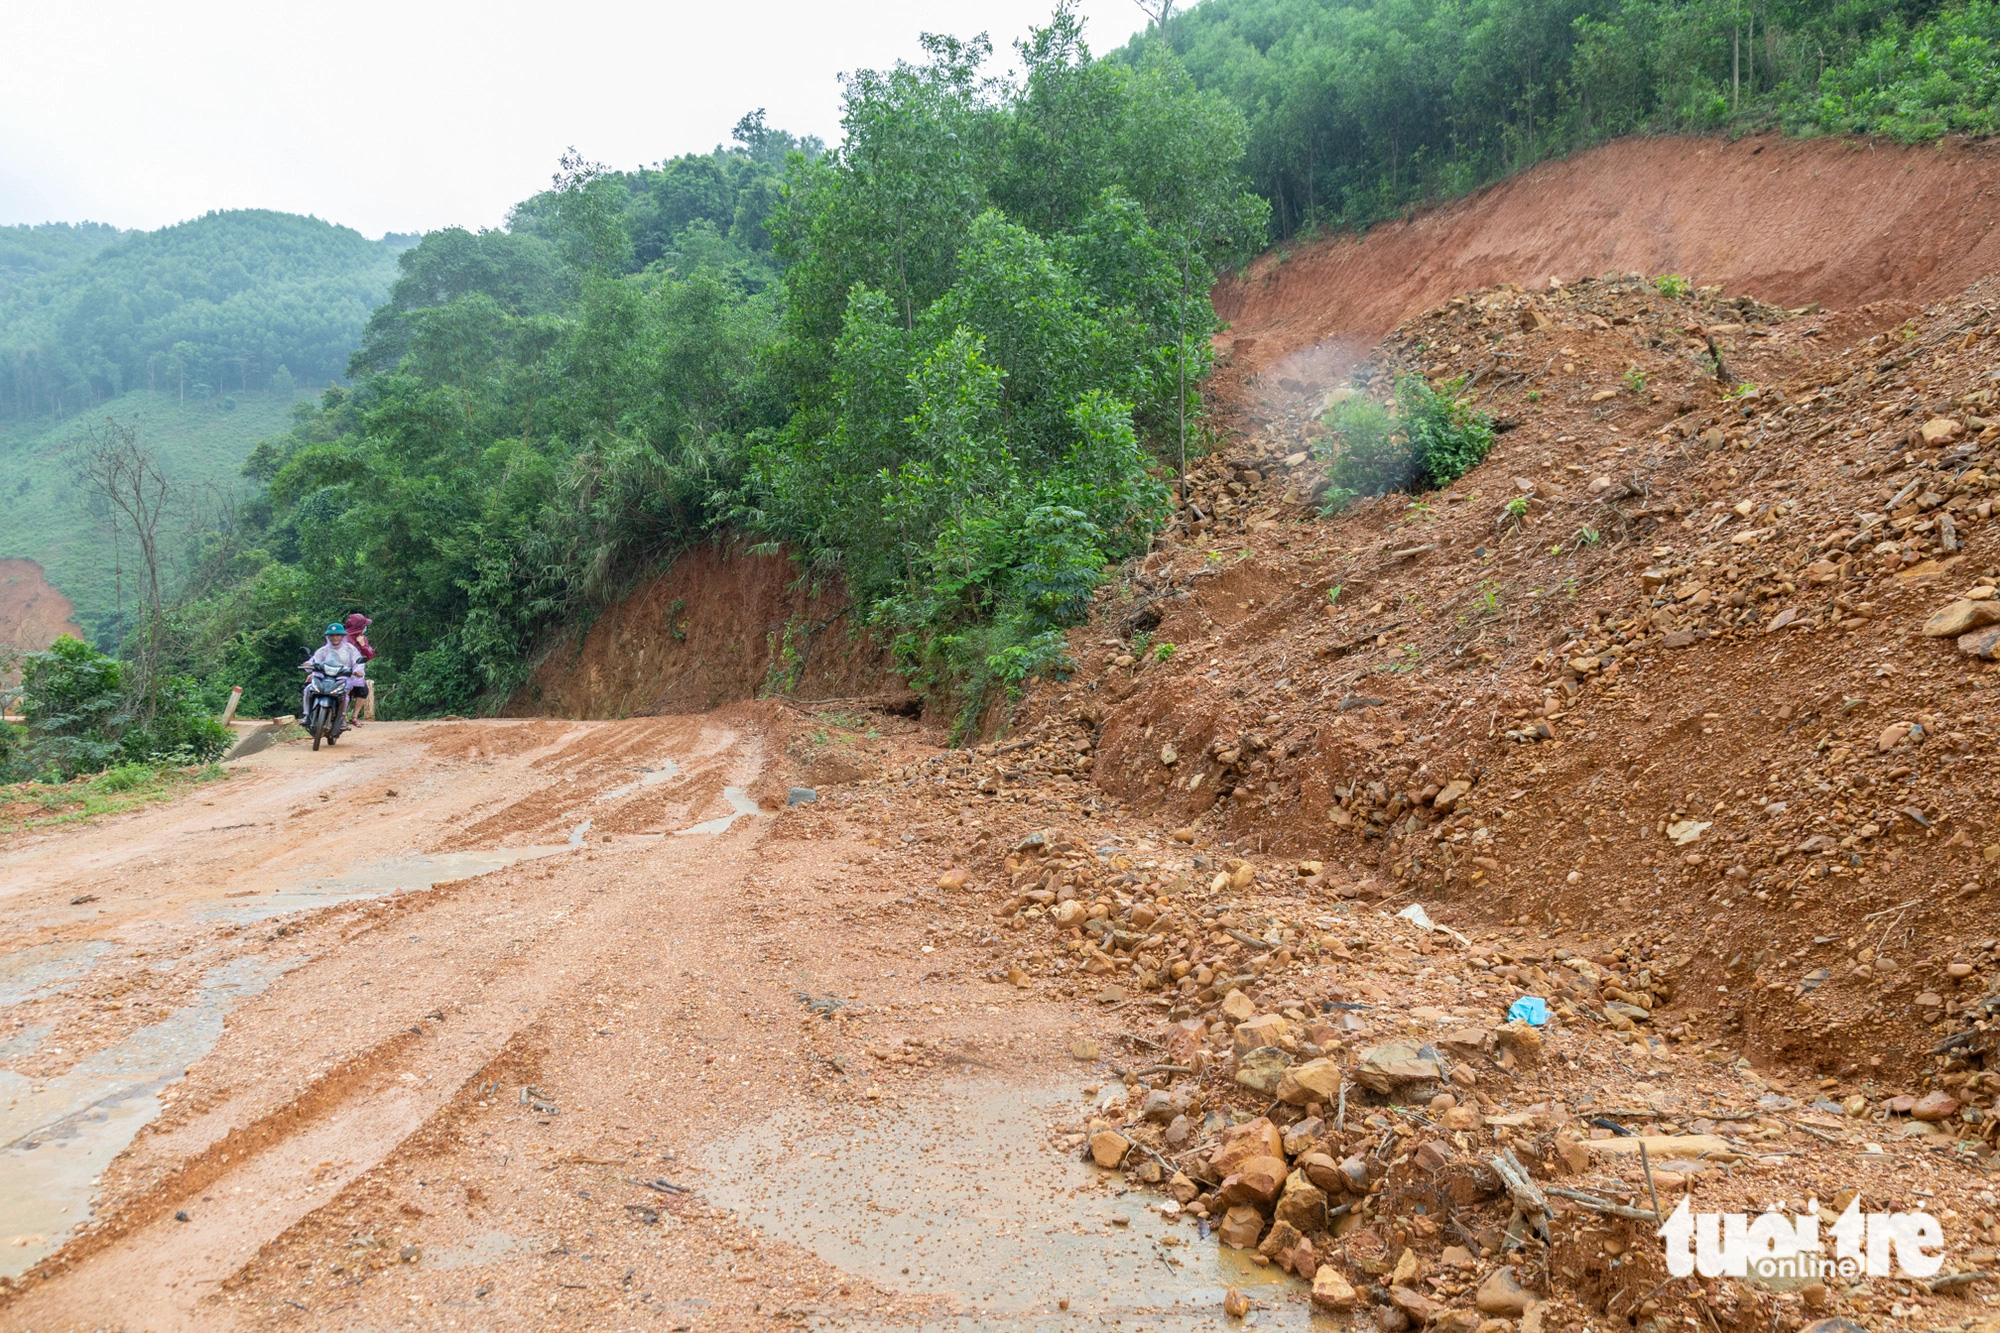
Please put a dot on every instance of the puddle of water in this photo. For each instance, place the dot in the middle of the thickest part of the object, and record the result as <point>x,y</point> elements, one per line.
<point>664,771</point>
<point>739,801</point>
<point>964,1199</point>
<point>576,834</point>
<point>398,874</point>
<point>58,1134</point>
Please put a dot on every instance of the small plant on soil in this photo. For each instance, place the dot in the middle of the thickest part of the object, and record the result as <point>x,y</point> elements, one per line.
<point>1162,651</point>
<point>1635,379</point>
<point>1671,285</point>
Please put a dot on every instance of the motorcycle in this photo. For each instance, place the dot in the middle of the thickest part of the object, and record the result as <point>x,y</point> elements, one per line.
<point>326,703</point>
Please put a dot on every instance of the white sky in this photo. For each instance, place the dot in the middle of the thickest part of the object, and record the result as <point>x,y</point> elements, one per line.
<point>420,114</point>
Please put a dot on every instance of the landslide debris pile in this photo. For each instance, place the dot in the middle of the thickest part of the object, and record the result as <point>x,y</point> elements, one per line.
<point>1679,707</point>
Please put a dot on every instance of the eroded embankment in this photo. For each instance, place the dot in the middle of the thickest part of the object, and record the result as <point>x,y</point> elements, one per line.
<point>1796,221</point>
<point>32,612</point>
<point>722,623</point>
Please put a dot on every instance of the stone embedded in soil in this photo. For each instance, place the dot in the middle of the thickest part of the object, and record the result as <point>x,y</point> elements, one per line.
<point>1108,1147</point>
<point>1314,1081</point>
<point>1395,1066</point>
<point>1237,1144</point>
<point>1933,1106</point>
<point>1500,1294</point>
<point>1981,643</point>
<point>1263,1069</point>
<point>1238,1007</point>
<point>1961,617</point>
<point>1263,1030</point>
<point>1235,1304</point>
<point>1302,1203</point>
<point>1331,1291</point>
<point>1257,1182</point>
<point>1241,1226</point>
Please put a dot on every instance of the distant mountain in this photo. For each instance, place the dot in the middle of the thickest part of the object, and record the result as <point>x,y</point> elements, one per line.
<point>29,252</point>
<point>241,300</point>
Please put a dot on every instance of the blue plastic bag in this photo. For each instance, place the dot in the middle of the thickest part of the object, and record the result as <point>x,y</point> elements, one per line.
<point>1531,1009</point>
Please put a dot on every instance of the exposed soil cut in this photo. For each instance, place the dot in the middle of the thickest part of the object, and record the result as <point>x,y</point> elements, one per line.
<point>721,624</point>
<point>32,613</point>
<point>1797,221</point>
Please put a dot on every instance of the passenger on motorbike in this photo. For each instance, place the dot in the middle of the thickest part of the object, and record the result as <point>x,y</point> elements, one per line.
<point>336,657</point>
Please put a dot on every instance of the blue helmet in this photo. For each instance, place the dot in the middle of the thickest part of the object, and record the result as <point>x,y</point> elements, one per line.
<point>336,628</point>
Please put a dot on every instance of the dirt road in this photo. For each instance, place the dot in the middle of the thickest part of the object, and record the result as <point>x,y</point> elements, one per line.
<point>514,1097</point>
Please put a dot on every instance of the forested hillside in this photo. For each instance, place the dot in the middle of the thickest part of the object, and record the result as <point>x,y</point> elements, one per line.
<point>1357,108</point>
<point>30,251</point>
<point>228,302</point>
<point>952,361</point>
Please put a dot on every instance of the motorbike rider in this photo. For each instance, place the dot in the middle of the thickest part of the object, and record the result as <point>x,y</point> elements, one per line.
<point>336,656</point>
<point>360,697</point>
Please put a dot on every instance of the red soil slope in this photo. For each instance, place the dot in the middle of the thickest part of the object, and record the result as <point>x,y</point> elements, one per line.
<point>1793,221</point>
<point>32,613</point>
<point>720,624</point>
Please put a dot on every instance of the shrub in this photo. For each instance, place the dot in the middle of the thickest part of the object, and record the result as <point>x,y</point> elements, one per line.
<point>1431,440</point>
<point>85,712</point>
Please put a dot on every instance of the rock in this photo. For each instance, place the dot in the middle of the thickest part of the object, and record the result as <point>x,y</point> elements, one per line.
<point>1961,617</point>
<point>1302,1203</point>
<point>1981,643</point>
<point>1322,1171</point>
<point>1500,1294</point>
<point>1183,835</point>
<point>1160,1107</point>
<point>1263,1030</point>
<point>1239,1143</point>
<point>953,879</point>
<point>1263,1069</point>
<point>801,796</point>
<point>1462,1117</point>
<point>1523,1039</point>
<point>1534,321</point>
<point>1299,1138</point>
<point>1833,1325</point>
<point>1456,1256</point>
<point>1395,1066</point>
<point>1940,429</point>
<point>1241,1226</point>
<point>1235,1304</point>
<point>1331,1291</point>
<point>1108,1147</point>
<point>1934,1106</point>
<point>1314,1081</point>
<point>1354,1171</point>
<point>1178,1132</point>
<point>1450,795</point>
<point>1256,1181</point>
<point>1111,995</point>
<point>1958,971</point>
<point>1406,1270</point>
<point>1281,1239</point>
<point>1420,1308</point>
<point>1069,914</point>
<point>1238,1007</point>
<point>1169,755</point>
<point>1892,735</point>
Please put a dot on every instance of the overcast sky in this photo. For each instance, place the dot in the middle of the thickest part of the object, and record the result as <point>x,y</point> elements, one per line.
<point>415,115</point>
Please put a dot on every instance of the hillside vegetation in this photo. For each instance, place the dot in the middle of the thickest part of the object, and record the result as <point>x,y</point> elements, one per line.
<point>45,517</point>
<point>950,362</point>
<point>1358,108</point>
<point>231,301</point>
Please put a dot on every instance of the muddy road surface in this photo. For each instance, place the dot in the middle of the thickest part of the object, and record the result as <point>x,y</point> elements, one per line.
<point>530,1024</point>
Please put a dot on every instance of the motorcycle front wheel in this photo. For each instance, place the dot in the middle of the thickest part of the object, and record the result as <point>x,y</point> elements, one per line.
<point>317,724</point>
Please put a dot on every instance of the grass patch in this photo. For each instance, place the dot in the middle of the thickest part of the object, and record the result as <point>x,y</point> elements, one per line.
<point>25,806</point>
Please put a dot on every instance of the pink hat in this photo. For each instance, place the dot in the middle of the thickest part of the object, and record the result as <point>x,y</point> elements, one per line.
<point>356,622</point>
